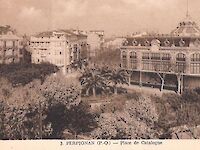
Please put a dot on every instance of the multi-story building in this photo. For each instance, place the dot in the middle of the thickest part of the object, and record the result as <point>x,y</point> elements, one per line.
<point>172,59</point>
<point>59,47</point>
<point>95,40</point>
<point>10,45</point>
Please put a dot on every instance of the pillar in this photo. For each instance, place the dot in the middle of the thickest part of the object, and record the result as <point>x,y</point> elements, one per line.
<point>188,61</point>
<point>180,83</point>
<point>140,82</point>
<point>139,60</point>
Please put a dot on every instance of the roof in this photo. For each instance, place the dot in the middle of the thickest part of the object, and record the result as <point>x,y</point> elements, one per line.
<point>187,27</point>
<point>66,32</point>
<point>6,29</point>
<point>165,41</point>
<point>187,32</point>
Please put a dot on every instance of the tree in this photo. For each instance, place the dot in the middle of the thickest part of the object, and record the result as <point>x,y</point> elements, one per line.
<point>22,123</point>
<point>2,117</point>
<point>167,69</point>
<point>79,64</point>
<point>116,77</point>
<point>93,80</point>
<point>136,121</point>
<point>108,57</point>
<point>36,111</point>
<point>81,120</point>
<point>178,110</point>
<point>22,74</point>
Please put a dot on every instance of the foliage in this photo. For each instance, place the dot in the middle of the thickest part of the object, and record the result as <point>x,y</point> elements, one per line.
<point>197,90</point>
<point>116,77</point>
<point>108,57</point>
<point>93,80</point>
<point>175,110</point>
<point>24,123</point>
<point>116,103</point>
<point>81,120</point>
<point>2,116</point>
<point>43,111</point>
<point>102,80</point>
<point>79,64</point>
<point>22,74</point>
<point>135,121</point>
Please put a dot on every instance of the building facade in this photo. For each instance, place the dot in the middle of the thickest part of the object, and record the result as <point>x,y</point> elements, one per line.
<point>175,56</point>
<point>60,47</point>
<point>10,46</point>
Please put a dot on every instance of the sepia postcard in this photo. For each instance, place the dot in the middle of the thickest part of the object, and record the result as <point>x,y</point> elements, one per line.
<point>102,74</point>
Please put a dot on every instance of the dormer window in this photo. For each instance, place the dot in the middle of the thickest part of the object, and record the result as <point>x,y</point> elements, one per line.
<point>134,42</point>
<point>125,43</point>
<point>197,42</point>
<point>181,42</point>
<point>166,42</point>
<point>147,43</point>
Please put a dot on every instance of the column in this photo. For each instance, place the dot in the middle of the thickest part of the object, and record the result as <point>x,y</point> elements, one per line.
<point>188,61</point>
<point>139,60</point>
<point>128,59</point>
<point>140,82</point>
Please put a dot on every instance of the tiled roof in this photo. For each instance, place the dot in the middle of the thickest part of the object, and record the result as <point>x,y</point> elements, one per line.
<point>165,41</point>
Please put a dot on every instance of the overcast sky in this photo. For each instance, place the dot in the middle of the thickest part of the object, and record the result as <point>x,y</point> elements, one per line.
<point>114,16</point>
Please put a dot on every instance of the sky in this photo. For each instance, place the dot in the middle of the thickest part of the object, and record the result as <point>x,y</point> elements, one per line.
<point>115,17</point>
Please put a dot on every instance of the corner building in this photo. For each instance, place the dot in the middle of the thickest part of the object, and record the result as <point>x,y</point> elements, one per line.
<point>10,46</point>
<point>173,57</point>
<point>59,47</point>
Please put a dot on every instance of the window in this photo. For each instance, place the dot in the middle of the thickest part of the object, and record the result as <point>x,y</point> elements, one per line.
<point>124,59</point>
<point>1,43</point>
<point>146,61</point>
<point>133,60</point>
<point>180,57</point>
<point>155,56</point>
<point>195,57</point>
<point>195,64</point>
<point>166,57</point>
<point>180,62</point>
<point>146,65</point>
<point>9,43</point>
<point>145,56</point>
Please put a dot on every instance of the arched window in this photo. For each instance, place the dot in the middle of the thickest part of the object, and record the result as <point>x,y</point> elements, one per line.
<point>195,64</point>
<point>146,62</point>
<point>124,59</point>
<point>133,60</point>
<point>180,63</point>
<point>166,64</point>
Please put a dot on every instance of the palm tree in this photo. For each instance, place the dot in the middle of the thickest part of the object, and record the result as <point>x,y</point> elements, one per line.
<point>116,77</point>
<point>79,64</point>
<point>92,80</point>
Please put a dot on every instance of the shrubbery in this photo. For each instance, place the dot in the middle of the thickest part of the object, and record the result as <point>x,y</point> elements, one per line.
<point>178,110</point>
<point>21,74</point>
<point>36,111</point>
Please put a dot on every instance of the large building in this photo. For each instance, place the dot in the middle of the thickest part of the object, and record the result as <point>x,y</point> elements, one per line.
<point>59,47</point>
<point>10,46</point>
<point>169,61</point>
